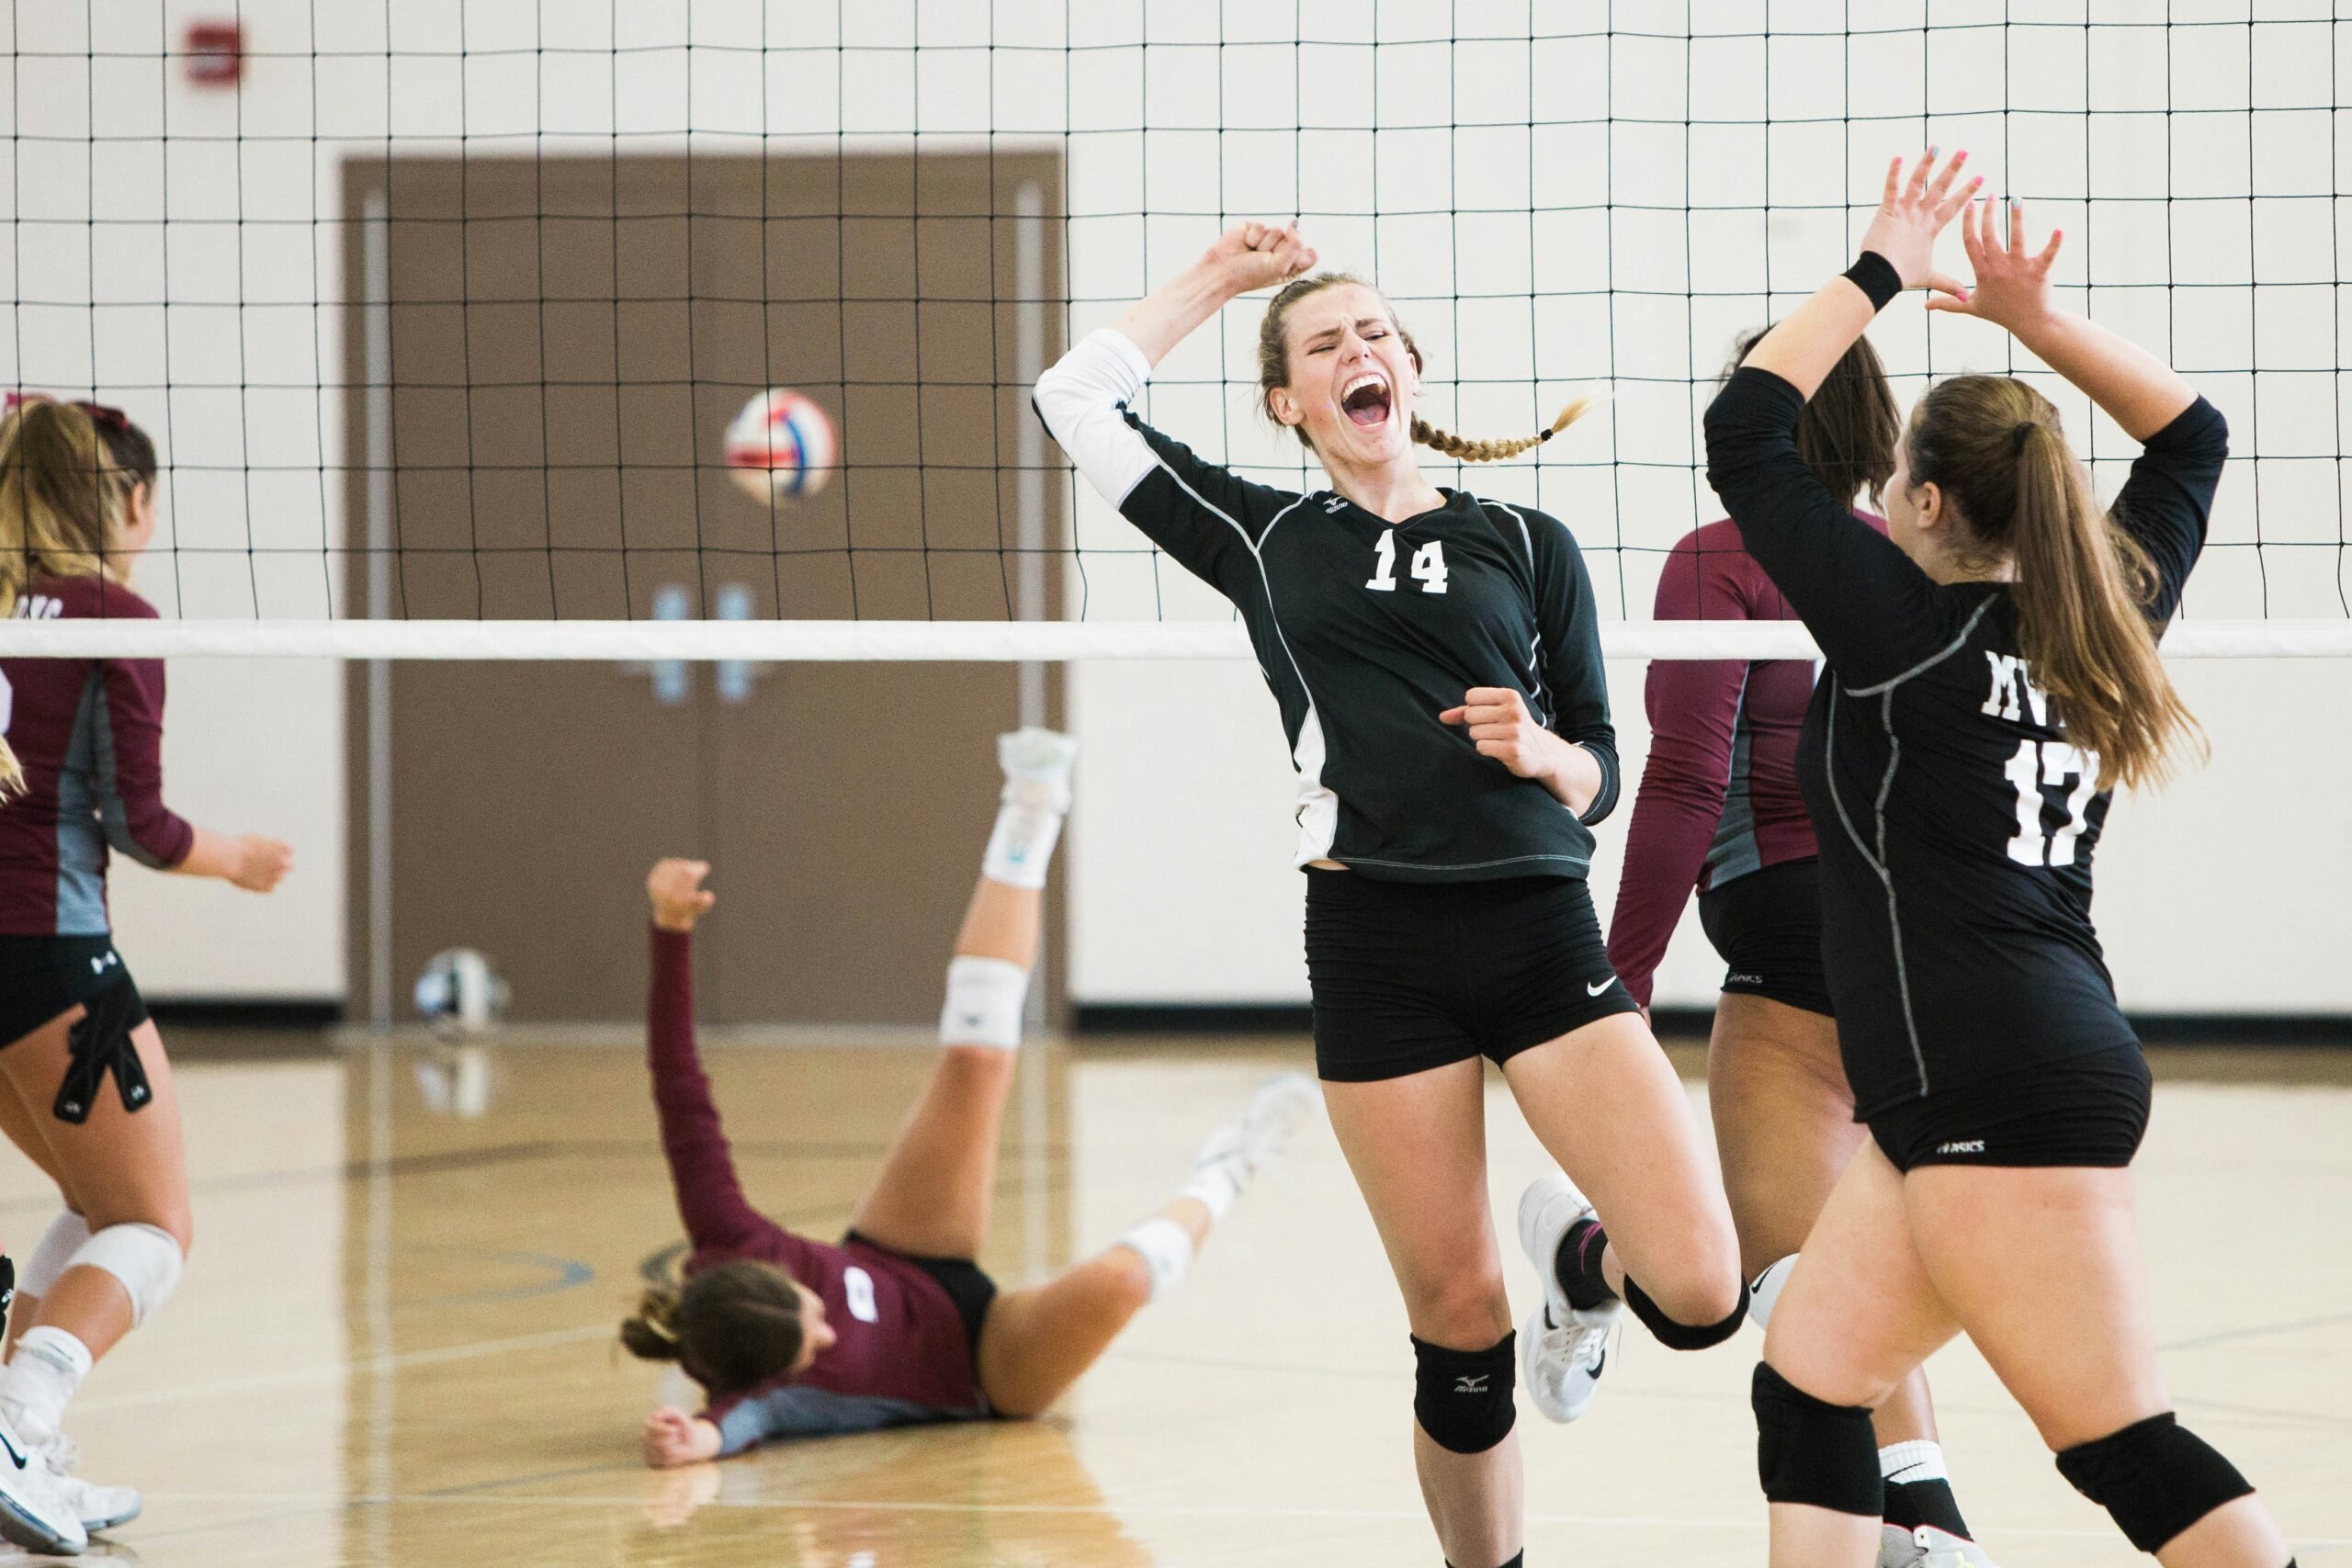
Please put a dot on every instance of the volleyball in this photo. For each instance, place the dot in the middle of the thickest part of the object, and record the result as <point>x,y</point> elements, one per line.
<point>461,992</point>
<point>781,446</point>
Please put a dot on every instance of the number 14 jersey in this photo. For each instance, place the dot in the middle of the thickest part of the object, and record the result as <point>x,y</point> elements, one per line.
<point>1366,632</point>
<point>1956,820</point>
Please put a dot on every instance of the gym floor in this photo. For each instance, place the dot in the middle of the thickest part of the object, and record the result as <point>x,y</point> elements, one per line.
<point>394,1344</point>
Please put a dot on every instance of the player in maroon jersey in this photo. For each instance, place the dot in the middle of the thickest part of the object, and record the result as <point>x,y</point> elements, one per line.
<point>896,1324</point>
<point>77,506</point>
<point>1718,808</point>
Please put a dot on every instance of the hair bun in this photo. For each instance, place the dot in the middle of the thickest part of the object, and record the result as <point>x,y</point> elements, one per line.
<point>649,1334</point>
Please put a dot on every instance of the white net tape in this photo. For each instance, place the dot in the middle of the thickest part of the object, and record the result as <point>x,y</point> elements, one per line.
<point>978,641</point>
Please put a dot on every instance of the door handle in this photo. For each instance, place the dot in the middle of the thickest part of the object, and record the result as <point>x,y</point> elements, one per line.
<point>673,679</point>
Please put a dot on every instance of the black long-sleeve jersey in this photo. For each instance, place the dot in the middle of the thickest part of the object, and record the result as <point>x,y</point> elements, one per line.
<point>1956,821</point>
<point>1365,633</point>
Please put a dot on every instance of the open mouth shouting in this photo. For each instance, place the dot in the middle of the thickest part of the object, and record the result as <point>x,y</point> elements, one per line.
<point>1366,400</point>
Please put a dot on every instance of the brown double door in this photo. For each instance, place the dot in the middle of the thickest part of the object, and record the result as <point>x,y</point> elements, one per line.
<point>546,354</point>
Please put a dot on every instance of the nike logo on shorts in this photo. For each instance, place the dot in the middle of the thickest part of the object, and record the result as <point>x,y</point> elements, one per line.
<point>1596,990</point>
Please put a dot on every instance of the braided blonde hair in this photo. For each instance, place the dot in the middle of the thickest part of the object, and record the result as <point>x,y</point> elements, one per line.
<point>1274,371</point>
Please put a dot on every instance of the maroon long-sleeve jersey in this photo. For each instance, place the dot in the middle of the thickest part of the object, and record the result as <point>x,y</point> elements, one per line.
<point>1718,795</point>
<point>89,733</point>
<point>901,1355</point>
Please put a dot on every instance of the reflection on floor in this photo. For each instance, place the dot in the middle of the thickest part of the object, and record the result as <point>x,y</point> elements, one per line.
<point>395,1345</point>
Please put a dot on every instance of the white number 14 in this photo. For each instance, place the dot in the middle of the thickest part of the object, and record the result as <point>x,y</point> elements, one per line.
<point>1428,566</point>
<point>2050,762</point>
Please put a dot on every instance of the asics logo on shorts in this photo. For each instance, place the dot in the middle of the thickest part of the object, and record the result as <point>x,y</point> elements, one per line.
<point>1472,1383</point>
<point>1962,1146</point>
<point>98,966</point>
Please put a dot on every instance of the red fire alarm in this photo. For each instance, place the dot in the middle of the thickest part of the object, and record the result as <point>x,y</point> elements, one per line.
<point>216,54</point>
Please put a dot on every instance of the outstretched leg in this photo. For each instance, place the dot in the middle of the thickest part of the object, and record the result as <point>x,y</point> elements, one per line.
<point>932,1196</point>
<point>1036,1342</point>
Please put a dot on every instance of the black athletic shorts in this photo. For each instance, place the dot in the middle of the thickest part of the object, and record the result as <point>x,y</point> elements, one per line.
<point>971,1289</point>
<point>1410,976</point>
<point>1766,927</point>
<point>42,976</point>
<point>2079,1110</point>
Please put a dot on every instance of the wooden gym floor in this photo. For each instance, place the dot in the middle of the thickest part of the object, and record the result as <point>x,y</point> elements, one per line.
<point>394,1341</point>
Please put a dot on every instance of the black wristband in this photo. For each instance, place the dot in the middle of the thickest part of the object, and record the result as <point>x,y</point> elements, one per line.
<point>1875,276</point>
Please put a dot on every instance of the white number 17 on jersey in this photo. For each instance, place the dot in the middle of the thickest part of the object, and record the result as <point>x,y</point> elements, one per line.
<point>2050,762</point>
<point>1429,565</point>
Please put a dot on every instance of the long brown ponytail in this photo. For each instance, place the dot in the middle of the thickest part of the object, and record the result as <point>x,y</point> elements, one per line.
<point>732,1327</point>
<point>1996,448</point>
<point>1273,370</point>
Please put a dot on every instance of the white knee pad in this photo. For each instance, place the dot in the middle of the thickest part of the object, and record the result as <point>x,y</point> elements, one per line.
<point>985,997</point>
<point>1165,1248</point>
<point>1765,1290</point>
<point>53,1255</point>
<point>143,1257</point>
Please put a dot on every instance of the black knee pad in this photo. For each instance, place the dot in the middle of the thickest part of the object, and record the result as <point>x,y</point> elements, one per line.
<point>2155,1477</point>
<point>1810,1451</point>
<point>1461,1398</point>
<point>1681,1335</point>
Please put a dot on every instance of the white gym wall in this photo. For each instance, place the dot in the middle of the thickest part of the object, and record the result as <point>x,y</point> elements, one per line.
<point>2217,896</point>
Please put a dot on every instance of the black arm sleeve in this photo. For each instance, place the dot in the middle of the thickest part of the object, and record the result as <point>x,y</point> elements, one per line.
<point>1208,519</point>
<point>1874,613</point>
<point>2169,499</point>
<point>1568,658</point>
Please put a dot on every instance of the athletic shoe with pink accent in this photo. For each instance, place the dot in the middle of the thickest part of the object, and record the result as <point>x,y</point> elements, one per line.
<point>1561,1349</point>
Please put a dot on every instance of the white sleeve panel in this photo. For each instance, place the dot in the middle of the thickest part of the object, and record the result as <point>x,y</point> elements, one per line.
<point>1079,399</point>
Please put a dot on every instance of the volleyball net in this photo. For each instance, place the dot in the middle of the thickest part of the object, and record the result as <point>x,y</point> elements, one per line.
<point>444,318</point>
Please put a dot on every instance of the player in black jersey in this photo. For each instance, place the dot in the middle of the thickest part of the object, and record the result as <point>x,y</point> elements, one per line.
<point>1437,664</point>
<point>1992,671</point>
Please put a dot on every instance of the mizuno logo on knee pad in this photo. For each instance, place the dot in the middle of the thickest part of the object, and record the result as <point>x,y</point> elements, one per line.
<point>1461,1398</point>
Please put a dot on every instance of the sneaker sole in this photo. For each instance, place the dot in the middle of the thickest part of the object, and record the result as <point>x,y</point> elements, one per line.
<point>95,1525</point>
<point>20,1526</point>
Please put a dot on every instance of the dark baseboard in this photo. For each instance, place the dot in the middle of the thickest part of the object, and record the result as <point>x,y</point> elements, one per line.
<point>1686,1023</point>
<point>1190,1018</point>
<point>245,1012</point>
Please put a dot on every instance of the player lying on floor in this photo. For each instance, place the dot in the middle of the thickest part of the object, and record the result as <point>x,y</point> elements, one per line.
<point>896,1324</point>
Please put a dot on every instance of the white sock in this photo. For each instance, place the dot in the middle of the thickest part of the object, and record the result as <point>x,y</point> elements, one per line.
<point>1917,1460</point>
<point>1165,1248</point>
<point>1213,1185</point>
<point>49,1365</point>
<point>1021,845</point>
<point>1220,1172</point>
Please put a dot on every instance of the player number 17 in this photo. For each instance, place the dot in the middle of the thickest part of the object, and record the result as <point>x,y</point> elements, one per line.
<point>1429,565</point>
<point>2035,764</point>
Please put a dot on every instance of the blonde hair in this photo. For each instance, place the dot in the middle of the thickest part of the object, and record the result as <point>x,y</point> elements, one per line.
<point>62,493</point>
<point>1274,371</point>
<point>62,490</point>
<point>1996,448</point>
